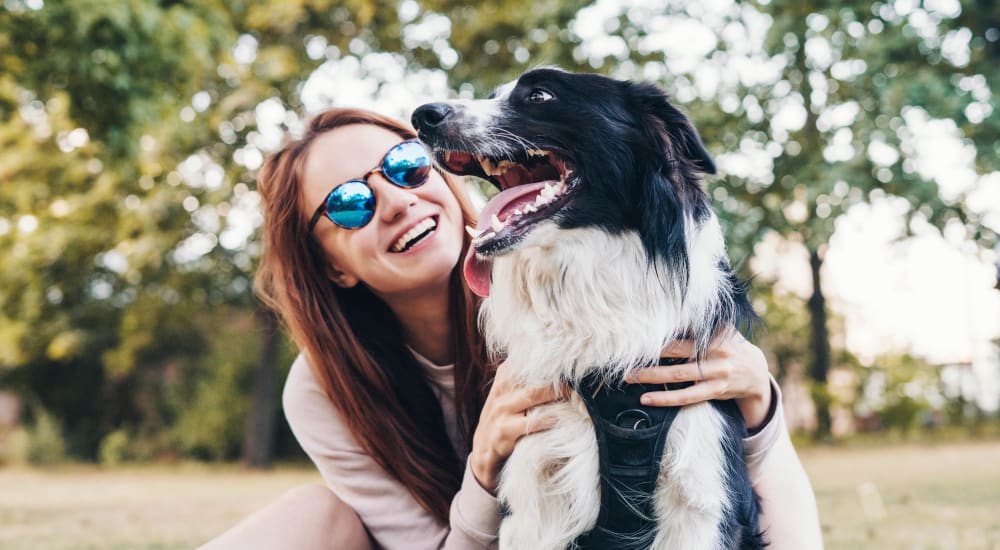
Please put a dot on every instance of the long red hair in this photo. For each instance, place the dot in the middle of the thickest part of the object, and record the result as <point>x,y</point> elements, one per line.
<point>353,342</point>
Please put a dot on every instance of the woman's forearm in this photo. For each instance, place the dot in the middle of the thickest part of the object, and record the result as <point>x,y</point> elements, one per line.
<point>789,516</point>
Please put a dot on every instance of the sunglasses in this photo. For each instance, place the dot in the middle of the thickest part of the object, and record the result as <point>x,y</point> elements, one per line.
<point>351,204</point>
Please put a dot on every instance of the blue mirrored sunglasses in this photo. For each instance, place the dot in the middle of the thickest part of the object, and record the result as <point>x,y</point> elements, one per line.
<point>351,204</point>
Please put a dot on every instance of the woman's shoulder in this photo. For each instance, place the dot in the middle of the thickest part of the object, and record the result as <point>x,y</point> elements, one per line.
<point>308,409</point>
<point>300,376</point>
<point>301,384</point>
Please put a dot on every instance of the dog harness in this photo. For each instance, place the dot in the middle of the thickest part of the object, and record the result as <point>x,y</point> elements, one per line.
<point>630,440</point>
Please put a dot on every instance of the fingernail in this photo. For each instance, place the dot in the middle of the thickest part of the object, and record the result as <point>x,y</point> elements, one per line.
<point>645,400</point>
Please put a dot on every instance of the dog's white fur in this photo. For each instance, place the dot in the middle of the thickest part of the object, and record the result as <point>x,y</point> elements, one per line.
<point>566,302</point>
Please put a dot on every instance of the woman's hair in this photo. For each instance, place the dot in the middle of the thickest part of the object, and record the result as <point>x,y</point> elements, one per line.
<point>353,341</point>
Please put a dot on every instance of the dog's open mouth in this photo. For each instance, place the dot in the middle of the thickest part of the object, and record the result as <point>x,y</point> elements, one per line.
<point>533,188</point>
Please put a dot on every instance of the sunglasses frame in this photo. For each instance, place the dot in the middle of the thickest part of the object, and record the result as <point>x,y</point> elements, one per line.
<point>379,169</point>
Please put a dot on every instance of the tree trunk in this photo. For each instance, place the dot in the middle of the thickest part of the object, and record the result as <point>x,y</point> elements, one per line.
<point>258,442</point>
<point>820,339</point>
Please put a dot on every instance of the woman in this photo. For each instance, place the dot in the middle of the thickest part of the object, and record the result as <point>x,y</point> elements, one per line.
<point>391,395</point>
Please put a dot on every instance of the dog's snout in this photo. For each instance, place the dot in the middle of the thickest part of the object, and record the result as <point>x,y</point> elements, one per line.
<point>429,116</point>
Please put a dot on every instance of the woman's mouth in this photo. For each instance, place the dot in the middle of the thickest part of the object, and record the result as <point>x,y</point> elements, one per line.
<point>415,235</point>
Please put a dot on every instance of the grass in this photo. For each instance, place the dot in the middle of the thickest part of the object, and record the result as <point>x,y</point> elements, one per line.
<point>901,497</point>
<point>944,496</point>
<point>132,508</point>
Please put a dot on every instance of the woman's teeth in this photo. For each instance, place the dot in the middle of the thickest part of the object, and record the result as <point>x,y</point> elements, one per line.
<point>415,234</point>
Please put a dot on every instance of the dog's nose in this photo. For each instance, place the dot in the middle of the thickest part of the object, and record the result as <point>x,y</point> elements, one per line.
<point>429,116</point>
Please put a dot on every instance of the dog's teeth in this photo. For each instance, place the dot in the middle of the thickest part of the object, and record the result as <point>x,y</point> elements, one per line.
<point>471,231</point>
<point>547,193</point>
<point>491,168</point>
<point>539,200</point>
<point>537,153</point>
<point>528,208</point>
<point>496,224</point>
<point>447,156</point>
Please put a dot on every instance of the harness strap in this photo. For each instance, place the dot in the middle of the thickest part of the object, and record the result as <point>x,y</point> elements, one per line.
<point>630,440</point>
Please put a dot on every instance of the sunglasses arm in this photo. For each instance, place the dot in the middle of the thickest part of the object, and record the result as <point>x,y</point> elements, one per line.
<point>316,216</point>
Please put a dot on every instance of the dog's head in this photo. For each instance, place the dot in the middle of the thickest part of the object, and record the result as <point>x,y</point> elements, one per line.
<point>579,150</point>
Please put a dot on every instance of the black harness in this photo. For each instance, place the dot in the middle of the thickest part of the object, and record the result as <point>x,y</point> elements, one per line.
<point>630,440</point>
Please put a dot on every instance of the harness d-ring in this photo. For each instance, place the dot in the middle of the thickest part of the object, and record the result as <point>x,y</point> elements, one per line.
<point>642,417</point>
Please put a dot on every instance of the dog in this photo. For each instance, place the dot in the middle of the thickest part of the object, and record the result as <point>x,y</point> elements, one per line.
<point>600,249</point>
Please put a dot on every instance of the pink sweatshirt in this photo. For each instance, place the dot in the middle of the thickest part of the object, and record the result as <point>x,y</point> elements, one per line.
<point>396,520</point>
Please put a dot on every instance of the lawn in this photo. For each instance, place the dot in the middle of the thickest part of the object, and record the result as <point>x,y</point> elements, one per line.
<point>939,497</point>
<point>903,497</point>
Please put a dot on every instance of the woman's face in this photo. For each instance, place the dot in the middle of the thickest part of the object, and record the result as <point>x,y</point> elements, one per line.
<point>373,254</point>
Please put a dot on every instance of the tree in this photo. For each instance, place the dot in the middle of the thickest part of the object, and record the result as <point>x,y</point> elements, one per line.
<point>131,133</point>
<point>131,138</point>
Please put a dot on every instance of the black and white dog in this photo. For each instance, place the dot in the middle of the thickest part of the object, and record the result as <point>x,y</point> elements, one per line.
<point>601,249</point>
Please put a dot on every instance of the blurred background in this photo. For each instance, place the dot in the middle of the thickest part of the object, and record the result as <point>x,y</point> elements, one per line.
<point>859,150</point>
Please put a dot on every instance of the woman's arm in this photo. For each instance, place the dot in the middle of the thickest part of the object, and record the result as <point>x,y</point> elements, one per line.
<point>788,515</point>
<point>387,509</point>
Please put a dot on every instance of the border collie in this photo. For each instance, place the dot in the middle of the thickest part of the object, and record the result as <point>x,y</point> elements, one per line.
<point>600,249</point>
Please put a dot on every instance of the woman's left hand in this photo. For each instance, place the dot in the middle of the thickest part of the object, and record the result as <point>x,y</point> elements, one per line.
<point>732,369</point>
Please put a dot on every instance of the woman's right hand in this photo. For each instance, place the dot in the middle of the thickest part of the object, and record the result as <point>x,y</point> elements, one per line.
<point>504,420</point>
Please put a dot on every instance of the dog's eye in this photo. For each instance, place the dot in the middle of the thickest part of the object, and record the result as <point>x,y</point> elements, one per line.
<point>539,95</point>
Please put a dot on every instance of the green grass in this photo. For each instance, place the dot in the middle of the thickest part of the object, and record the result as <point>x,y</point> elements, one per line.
<point>943,496</point>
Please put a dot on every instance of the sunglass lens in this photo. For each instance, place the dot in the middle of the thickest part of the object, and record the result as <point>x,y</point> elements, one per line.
<point>408,164</point>
<point>351,204</point>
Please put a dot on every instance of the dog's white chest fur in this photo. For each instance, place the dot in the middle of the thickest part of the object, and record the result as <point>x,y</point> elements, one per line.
<point>567,302</point>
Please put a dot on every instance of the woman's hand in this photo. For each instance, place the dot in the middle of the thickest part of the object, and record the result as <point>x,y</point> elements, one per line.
<point>504,420</point>
<point>733,369</point>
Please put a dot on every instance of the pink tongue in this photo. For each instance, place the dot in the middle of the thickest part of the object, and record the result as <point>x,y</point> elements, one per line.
<point>477,273</point>
<point>476,269</point>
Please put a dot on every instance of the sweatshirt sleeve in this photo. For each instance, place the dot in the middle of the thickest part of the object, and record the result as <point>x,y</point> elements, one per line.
<point>387,509</point>
<point>758,445</point>
<point>789,516</point>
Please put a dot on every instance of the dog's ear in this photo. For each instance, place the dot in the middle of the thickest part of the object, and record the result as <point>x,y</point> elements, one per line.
<point>668,125</point>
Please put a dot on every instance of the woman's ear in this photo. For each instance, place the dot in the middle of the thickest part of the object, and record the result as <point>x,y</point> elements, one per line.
<point>340,278</point>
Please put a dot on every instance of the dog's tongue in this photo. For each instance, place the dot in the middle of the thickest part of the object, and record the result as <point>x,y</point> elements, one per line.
<point>477,273</point>
<point>477,268</point>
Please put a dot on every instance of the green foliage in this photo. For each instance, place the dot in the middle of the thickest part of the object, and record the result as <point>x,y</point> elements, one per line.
<point>114,448</point>
<point>40,443</point>
<point>213,399</point>
<point>906,385</point>
<point>211,426</point>
<point>784,321</point>
<point>46,438</point>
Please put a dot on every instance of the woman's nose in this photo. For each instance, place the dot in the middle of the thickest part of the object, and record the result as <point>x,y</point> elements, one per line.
<point>392,200</point>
